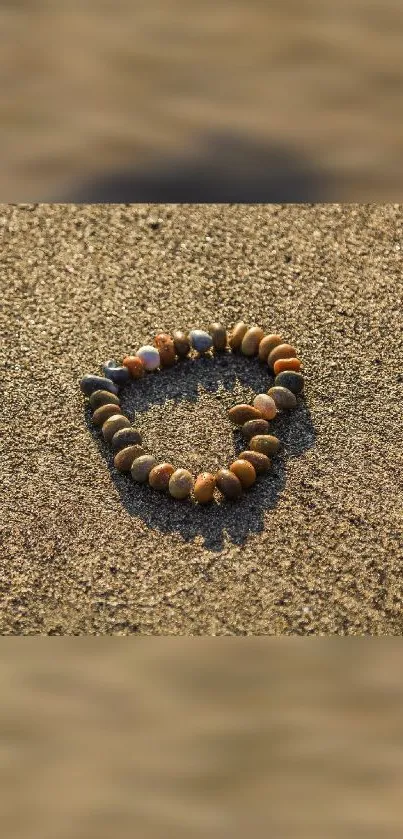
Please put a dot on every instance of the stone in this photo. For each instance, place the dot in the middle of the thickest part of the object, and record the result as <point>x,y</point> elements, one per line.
<point>181,343</point>
<point>253,427</point>
<point>251,340</point>
<point>265,443</point>
<point>125,437</point>
<point>228,484</point>
<point>114,371</point>
<point>204,487</point>
<point>260,462</point>
<point>113,424</point>
<point>244,471</point>
<point>267,344</point>
<point>281,351</point>
<point>103,397</point>
<point>89,384</point>
<point>201,341</point>
<point>286,364</point>
<point>219,335</point>
<point>240,414</point>
<point>134,365</point>
<point>104,412</point>
<point>266,405</point>
<point>292,381</point>
<point>181,483</point>
<point>160,475</point>
<point>237,335</point>
<point>124,458</point>
<point>149,356</point>
<point>141,467</point>
<point>283,398</point>
<point>166,349</point>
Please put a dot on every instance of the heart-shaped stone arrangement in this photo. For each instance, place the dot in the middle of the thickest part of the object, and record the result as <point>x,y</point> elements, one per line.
<point>254,419</point>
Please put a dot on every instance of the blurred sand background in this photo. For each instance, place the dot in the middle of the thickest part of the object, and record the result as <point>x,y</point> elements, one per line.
<point>315,548</point>
<point>171,101</point>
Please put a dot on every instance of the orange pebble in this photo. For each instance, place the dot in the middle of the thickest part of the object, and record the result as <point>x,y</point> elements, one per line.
<point>286,364</point>
<point>166,349</point>
<point>244,471</point>
<point>204,487</point>
<point>134,365</point>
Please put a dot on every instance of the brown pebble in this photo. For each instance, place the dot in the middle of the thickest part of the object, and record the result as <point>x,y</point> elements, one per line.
<point>265,443</point>
<point>218,333</point>
<point>240,414</point>
<point>123,460</point>
<point>166,349</point>
<point>204,487</point>
<point>113,424</point>
<point>126,437</point>
<point>134,365</point>
<point>283,397</point>
<point>251,340</point>
<point>281,351</point>
<point>228,484</point>
<point>266,405</point>
<point>104,412</point>
<point>141,467</point>
<point>160,475</point>
<point>267,344</point>
<point>181,483</point>
<point>181,343</point>
<point>259,461</point>
<point>244,471</point>
<point>253,427</point>
<point>103,397</point>
<point>287,364</point>
<point>237,335</point>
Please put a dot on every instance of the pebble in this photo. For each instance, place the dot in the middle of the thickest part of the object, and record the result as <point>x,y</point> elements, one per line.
<point>283,398</point>
<point>149,356</point>
<point>90,383</point>
<point>134,365</point>
<point>266,405</point>
<point>244,471</point>
<point>240,414</point>
<point>181,343</point>
<point>219,335</point>
<point>113,370</point>
<point>289,379</point>
<point>166,349</point>
<point>237,335</point>
<point>103,397</point>
<point>251,340</point>
<point>160,475</point>
<point>265,444</point>
<point>201,341</point>
<point>123,460</point>
<point>141,467</point>
<point>113,424</point>
<point>267,344</point>
<point>125,437</point>
<point>281,351</point>
<point>228,484</point>
<point>260,462</point>
<point>181,483</point>
<point>253,427</point>
<point>286,364</point>
<point>104,412</point>
<point>204,487</point>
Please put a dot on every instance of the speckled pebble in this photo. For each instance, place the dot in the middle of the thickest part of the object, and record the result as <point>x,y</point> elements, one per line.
<point>281,351</point>
<point>124,459</point>
<point>266,405</point>
<point>166,349</point>
<point>265,443</point>
<point>113,424</point>
<point>251,340</point>
<point>204,487</point>
<point>141,467</point>
<point>286,364</point>
<point>134,365</point>
<point>283,398</point>
<point>237,334</point>
<point>240,414</point>
<point>125,437</point>
<point>200,340</point>
<point>260,462</point>
<point>244,471</point>
<point>90,383</point>
<point>181,483</point>
<point>149,356</point>
<point>293,381</point>
<point>219,335</point>
<point>160,475</point>
<point>267,344</point>
<point>181,343</point>
<point>253,427</point>
<point>104,412</point>
<point>114,371</point>
<point>228,484</point>
<point>103,397</point>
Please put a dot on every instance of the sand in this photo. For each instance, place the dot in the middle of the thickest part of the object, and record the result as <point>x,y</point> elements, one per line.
<point>315,548</point>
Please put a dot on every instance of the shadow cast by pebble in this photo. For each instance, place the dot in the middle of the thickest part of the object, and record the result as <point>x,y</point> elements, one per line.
<point>217,375</point>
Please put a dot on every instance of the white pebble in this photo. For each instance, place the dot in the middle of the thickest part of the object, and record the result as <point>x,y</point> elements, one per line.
<point>149,357</point>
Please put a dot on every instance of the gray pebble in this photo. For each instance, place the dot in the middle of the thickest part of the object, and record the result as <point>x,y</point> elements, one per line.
<point>90,383</point>
<point>125,437</point>
<point>201,341</point>
<point>119,375</point>
<point>291,380</point>
<point>142,466</point>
